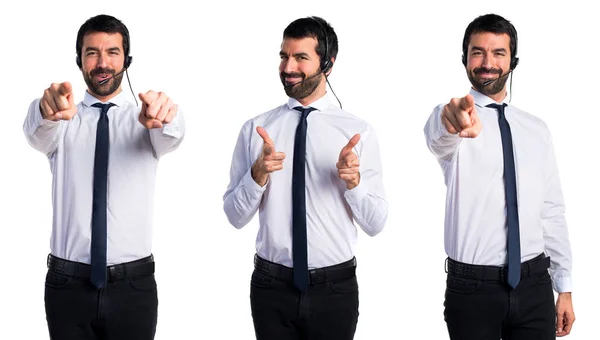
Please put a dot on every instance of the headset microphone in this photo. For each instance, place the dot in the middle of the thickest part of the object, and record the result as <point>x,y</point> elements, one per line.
<point>104,81</point>
<point>493,80</point>
<point>301,81</point>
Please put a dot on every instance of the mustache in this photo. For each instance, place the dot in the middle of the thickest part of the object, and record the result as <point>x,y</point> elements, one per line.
<point>292,75</point>
<point>102,70</point>
<point>480,70</point>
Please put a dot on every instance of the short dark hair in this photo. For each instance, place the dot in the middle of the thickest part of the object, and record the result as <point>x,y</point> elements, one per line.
<point>491,23</point>
<point>318,28</point>
<point>102,23</point>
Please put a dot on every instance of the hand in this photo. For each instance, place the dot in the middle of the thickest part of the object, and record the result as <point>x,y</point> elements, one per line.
<point>57,102</point>
<point>348,164</point>
<point>157,109</point>
<point>459,116</point>
<point>268,161</point>
<point>564,314</point>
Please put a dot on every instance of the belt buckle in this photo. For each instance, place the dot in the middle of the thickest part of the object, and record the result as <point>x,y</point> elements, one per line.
<point>317,276</point>
<point>116,272</point>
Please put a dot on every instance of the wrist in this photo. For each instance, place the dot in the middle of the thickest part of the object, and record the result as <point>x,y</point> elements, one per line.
<point>259,177</point>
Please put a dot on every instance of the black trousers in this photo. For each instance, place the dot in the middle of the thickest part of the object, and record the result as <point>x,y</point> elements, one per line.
<point>328,310</point>
<point>478,309</point>
<point>122,309</point>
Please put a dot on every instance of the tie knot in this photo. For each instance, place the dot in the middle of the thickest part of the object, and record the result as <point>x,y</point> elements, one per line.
<point>498,107</point>
<point>103,107</point>
<point>304,111</point>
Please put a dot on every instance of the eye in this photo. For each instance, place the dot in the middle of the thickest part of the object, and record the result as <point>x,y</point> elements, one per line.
<point>476,53</point>
<point>91,53</point>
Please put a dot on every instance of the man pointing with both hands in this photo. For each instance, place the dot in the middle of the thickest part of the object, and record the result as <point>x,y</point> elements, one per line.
<point>311,170</point>
<point>103,155</point>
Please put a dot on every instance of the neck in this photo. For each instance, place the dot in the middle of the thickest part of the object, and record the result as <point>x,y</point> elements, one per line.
<point>106,98</point>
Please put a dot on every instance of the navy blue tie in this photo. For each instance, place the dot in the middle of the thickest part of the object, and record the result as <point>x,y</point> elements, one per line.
<point>512,212</point>
<point>299,240</point>
<point>98,249</point>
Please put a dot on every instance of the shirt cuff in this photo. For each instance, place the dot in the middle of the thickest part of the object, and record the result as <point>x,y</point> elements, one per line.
<point>356,194</point>
<point>35,119</point>
<point>562,284</point>
<point>175,127</point>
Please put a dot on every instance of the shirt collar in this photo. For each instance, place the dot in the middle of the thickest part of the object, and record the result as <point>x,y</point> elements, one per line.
<point>482,100</point>
<point>89,100</point>
<point>320,104</point>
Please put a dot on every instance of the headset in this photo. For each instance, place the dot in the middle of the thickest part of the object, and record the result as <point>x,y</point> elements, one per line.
<point>126,63</point>
<point>514,61</point>
<point>326,63</point>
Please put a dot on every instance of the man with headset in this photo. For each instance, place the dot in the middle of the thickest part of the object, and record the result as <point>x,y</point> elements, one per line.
<point>311,170</point>
<point>505,223</point>
<point>103,155</point>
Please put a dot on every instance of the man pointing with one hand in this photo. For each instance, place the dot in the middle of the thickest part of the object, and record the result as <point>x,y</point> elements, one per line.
<point>506,234</point>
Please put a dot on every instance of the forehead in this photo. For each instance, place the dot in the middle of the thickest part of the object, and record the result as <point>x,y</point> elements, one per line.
<point>102,40</point>
<point>490,40</point>
<point>303,45</point>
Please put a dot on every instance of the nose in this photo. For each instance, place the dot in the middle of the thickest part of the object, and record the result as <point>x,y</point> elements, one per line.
<point>487,61</point>
<point>288,65</point>
<point>102,60</point>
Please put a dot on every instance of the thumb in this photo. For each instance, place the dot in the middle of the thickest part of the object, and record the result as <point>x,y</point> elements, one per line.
<point>264,135</point>
<point>142,98</point>
<point>351,144</point>
<point>65,89</point>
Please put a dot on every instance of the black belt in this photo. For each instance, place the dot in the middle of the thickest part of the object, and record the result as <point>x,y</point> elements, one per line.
<point>141,267</point>
<point>538,264</point>
<point>338,272</point>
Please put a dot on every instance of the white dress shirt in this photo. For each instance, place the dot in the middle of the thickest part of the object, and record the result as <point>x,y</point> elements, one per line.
<point>475,224</point>
<point>133,157</point>
<point>330,207</point>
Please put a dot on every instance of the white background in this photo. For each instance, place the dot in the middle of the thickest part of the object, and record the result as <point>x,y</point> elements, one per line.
<point>219,62</point>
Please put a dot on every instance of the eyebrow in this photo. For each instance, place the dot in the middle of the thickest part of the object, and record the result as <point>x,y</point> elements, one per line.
<point>477,48</point>
<point>111,49</point>
<point>300,54</point>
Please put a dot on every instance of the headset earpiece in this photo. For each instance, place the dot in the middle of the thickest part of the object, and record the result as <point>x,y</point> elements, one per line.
<point>128,61</point>
<point>514,62</point>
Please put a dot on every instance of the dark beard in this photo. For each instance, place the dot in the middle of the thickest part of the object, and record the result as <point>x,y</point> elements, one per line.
<point>494,88</point>
<point>304,88</point>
